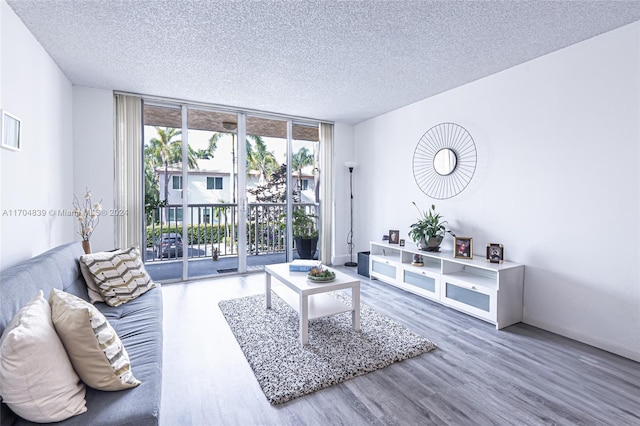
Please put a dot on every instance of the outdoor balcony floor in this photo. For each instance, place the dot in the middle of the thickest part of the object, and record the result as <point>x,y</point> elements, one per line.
<point>171,269</point>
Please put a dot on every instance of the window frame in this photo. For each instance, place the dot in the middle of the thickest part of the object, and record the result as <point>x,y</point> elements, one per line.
<point>173,182</point>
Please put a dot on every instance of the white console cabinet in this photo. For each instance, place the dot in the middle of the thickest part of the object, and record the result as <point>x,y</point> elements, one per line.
<point>489,291</point>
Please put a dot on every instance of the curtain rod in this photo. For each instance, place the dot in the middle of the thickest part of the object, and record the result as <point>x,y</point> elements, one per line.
<point>225,108</point>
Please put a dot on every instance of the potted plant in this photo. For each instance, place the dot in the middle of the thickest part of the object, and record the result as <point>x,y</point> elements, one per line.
<point>429,230</point>
<point>305,232</point>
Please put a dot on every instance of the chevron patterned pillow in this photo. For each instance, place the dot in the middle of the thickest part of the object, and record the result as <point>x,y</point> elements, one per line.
<point>119,275</point>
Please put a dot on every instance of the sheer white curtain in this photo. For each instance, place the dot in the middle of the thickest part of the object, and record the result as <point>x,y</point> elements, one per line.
<point>128,171</point>
<point>326,191</point>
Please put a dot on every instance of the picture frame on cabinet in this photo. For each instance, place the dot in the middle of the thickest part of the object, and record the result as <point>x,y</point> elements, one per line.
<point>495,253</point>
<point>463,247</point>
<point>394,236</point>
<point>11,131</point>
<point>401,242</point>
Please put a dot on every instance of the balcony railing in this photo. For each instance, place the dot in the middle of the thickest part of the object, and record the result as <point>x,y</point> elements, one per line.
<point>213,228</point>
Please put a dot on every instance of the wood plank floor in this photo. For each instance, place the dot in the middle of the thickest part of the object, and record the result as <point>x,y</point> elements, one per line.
<point>520,375</point>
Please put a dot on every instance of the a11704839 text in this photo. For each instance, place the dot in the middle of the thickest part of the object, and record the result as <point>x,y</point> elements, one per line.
<point>57,212</point>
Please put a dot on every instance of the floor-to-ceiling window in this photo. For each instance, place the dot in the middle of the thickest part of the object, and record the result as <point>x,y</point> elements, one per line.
<point>220,186</point>
<point>163,183</point>
<point>212,193</point>
<point>304,172</point>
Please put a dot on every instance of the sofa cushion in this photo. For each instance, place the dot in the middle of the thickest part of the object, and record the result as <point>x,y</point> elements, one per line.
<point>37,380</point>
<point>95,350</point>
<point>120,275</point>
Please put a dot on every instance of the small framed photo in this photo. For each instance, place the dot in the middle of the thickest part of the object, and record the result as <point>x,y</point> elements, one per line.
<point>495,253</point>
<point>463,247</point>
<point>11,129</point>
<point>401,243</point>
<point>394,236</point>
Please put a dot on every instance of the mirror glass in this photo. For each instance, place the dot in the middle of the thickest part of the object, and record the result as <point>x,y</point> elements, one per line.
<point>444,162</point>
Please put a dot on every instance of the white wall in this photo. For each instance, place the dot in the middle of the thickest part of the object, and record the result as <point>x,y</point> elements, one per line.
<point>557,182</point>
<point>38,178</point>
<point>93,165</point>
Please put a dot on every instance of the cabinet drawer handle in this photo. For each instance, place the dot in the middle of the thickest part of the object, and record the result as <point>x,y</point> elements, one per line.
<point>468,287</point>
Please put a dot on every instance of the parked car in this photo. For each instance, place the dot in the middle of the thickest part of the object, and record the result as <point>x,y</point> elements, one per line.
<point>168,245</point>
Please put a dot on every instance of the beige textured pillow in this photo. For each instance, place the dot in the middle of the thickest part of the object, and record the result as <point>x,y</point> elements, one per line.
<point>119,275</point>
<point>37,380</point>
<point>94,348</point>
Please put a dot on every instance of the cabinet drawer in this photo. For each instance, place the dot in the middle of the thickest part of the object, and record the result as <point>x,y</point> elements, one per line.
<point>478,301</point>
<point>421,283</point>
<point>383,268</point>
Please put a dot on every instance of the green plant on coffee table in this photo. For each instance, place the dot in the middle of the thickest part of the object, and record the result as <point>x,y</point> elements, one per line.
<point>320,273</point>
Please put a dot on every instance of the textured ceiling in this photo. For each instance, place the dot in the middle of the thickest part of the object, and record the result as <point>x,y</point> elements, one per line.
<point>341,61</point>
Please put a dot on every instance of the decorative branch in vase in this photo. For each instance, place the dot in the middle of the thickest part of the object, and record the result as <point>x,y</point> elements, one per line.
<point>88,215</point>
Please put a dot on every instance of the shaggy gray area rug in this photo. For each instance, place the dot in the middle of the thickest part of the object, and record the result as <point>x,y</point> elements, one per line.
<point>285,370</point>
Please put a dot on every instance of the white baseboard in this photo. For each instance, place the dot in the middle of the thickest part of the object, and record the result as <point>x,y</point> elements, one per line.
<point>341,260</point>
<point>590,340</point>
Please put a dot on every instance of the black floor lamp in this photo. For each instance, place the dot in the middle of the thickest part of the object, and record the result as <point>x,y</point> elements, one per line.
<point>351,165</point>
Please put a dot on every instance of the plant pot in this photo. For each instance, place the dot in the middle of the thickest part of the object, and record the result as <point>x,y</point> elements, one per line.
<point>86,246</point>
<point>306,247</point>
<point>433,244</point>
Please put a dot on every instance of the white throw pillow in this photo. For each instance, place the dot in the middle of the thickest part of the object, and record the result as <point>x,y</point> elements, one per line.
<point>37,380</point>
<point>95,350</point>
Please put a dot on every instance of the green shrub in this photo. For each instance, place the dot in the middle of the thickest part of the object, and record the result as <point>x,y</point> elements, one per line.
<point>196,234</point>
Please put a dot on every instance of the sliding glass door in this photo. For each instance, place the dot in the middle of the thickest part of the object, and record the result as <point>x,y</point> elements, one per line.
<point>305,196</point>
<point>266,191</point>
<point>212,193</point>
<point>162,138</point>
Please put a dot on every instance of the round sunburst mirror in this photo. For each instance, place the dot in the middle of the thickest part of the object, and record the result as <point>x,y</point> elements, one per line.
<point>444,161</point>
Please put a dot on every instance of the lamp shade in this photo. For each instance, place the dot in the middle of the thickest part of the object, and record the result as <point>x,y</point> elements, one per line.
<point>351,164</point>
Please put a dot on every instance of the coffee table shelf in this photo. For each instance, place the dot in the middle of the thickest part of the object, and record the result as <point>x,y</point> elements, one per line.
<point>320,305</point>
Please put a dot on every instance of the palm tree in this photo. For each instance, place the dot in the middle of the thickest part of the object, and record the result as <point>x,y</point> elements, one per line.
<point>260,159</point>
<point>300,160</point>
<point>162,153</point>
<point>151,192</point>
<point>207,154</point>
<point>166,149</point>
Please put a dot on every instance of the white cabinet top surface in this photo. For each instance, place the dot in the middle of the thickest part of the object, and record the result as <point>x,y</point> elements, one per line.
<point>478,261</point>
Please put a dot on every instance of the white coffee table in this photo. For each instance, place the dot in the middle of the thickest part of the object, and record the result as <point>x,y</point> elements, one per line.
<point>310,299</point>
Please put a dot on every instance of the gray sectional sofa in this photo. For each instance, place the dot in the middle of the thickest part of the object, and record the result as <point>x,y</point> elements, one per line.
<point>138,323</point>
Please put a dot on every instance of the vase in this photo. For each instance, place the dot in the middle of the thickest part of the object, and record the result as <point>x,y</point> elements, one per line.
<point>433,244</point>
<point>86,246</point>
<point>422,244</point>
